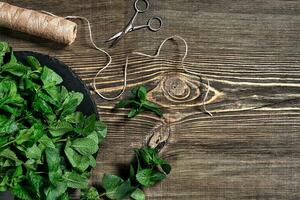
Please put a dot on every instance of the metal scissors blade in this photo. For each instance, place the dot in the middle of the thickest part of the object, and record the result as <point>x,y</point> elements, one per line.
<point>117,37</point>
<point>114,36</point>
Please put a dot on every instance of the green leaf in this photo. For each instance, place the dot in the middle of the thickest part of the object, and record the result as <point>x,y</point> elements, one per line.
<point>83,163</point>
<point>92,161</point>
<point>16,69</point>
<point>52,192</point>
<point>50,78</point>
<point>89,125</point>
<point>93,136</point>
<point>4,48</point>
<point>142,93</point>
<point>55,93</point>
<point>85,146</point>
<point>39,105</point>
<point>8,127</point>
<point>101,130</point>
<point>77,161</point>
<point>4,140</point>
<point>133,112</point>
<point>60,128</point>
<point>132,173</point>
<point>47,98</point>
<point>73,157</point>
<point>53,159</point>
<point>75,180</point>
<point>20,192</point>
<point>71,103</point>
<point>18,172</point>
<point>23,136</point>
<point>7,153</point>
<point>123,191</point>
<point>138,194</point>
<point>149,177</point>
<point>33,62</point>
<point>4,183</point>
<point>46,141</point>
<point>110,182</point>
<point>65,196</point>
<point>75,118</point>
<point>152,107</point>
<point>34,152</point>
<point>90,194</point>
<point>35,181</point>
<point>116,188</point>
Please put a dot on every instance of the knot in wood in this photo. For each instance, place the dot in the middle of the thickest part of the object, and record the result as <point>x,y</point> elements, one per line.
<point>176,88</point>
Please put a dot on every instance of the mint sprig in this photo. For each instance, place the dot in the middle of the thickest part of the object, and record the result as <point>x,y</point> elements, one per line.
<point>138,103</point>
<point>146,170</point>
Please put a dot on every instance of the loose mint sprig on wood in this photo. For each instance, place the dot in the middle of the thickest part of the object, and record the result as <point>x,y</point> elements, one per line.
<point>146,170</point>
<point>138,103</point>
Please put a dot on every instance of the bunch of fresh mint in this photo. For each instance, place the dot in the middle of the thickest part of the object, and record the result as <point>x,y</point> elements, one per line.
<point>46,147</point>
<point>145,171</point>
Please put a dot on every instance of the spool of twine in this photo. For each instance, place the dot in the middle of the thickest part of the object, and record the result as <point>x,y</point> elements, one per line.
<point>38,24</point>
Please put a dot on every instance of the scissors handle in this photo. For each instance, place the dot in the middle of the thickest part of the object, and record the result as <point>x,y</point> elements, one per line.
<point>141,10</point>
<point>149,25</point>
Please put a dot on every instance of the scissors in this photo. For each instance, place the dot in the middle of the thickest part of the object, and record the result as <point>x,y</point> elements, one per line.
<point>130,27</point>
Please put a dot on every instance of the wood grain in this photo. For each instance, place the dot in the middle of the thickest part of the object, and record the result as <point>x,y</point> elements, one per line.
<point>248,50</point>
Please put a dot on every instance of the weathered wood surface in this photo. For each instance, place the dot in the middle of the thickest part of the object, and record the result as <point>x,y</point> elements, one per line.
<point>250,52</point>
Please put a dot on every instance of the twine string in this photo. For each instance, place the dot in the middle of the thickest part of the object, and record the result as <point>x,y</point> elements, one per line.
<point>94,85</point>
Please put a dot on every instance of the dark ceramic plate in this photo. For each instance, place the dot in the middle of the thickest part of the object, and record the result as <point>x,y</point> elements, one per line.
<point>71,81</point>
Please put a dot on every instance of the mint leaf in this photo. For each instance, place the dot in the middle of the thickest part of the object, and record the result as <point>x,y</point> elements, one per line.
<point>142,93</point>
<point>149,177</point>
<point>138,194</point>
<point>85,146</point>
<point>20,192</point>
<point>133,112</point>
<point>121,191</point>
<point>90,194</point>
<point>35,181</point>
<point>33,152</point>
<point>50,78</point>
<point>46,141</point>
<point>101,130</point>
<point>34,63</point>
<point>15,69</point>
<point>4,48</point>
<point>76,181</point>
<point>60,128</point>
<point>53,159</point>
<point>7,153</point>
<point>110,182</point>
<point>64,197</point>
<point>71,102</point>
<point>152,107</point>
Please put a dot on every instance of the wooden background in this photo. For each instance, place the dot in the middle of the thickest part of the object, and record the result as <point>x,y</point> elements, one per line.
<point>250,52</point>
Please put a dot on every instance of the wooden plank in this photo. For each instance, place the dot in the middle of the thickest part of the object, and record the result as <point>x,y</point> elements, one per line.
<point>249,50</point>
